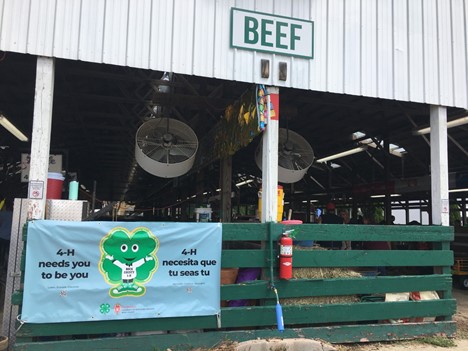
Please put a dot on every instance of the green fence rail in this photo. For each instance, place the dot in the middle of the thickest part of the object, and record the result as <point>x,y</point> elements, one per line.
<point>367,318</point>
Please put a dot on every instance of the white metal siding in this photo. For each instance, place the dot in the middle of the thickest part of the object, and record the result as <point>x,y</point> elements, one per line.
<point>2,3</point>
<point>409,50</point>
<point>161,36</point>
<point>431,52</point>
<point>335,46</point>
<point>138,36</point>
<point>68,25</point>
<point>415,53</point>
<point>115,32</point>
<point>385,50</point>
<point>204,29</point>
<point>459,54</point>
<point>91,38</point>
<point>445,44</point>
<point>183,27</point>
<point>299,77</point>
<point>41,27</point>
<point>369,48</point>
<point>15,24</point>
<point>223,58</point>
<point>318,75</point>
<point>282,8</point>
<point>400,50</point>
<point>352,47</point>
<point>243,60</point>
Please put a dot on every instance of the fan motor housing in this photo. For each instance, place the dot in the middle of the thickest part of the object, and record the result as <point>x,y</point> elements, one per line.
<point>167,137</point>
<point>289,143</point>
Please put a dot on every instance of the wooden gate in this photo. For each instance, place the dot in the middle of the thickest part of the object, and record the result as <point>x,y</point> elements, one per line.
<point>411,268</point>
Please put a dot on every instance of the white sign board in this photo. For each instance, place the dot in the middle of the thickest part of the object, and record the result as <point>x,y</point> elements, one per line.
<point>445,206</point>
<point>270,33</point>
<point>36,189</point>
<point>55,165</point>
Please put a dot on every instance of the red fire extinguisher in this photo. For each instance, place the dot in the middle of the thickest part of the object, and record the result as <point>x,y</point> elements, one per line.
<point>285,256</point>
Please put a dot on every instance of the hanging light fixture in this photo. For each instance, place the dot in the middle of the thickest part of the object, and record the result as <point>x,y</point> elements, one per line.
<point>342,154</point>
<point>12,129</point>
<point>455,123</point>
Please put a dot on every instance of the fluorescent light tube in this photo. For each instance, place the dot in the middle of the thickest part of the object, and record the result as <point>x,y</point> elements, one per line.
<point>458,190</point>
<point>12,129</point>
<point>342,154</point>
<point>244,182</point>
<point>454,123</point>
<point>380,196</point>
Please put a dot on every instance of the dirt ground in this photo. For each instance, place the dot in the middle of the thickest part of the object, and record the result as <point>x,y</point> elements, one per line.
<point>461,340</point>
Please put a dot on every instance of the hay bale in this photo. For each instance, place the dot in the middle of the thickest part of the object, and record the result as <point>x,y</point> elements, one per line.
<point>319,300</point>
<point>321,273</point>
<point>324,273</point>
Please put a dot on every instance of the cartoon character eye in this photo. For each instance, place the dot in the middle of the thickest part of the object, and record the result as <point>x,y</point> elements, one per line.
<point>124,248</point>
<point>135,247</point>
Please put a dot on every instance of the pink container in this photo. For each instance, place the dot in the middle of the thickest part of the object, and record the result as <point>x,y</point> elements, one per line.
<point>54,185</point>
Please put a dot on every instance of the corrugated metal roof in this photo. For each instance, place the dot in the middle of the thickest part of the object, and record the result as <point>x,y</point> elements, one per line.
<point>396,49</point>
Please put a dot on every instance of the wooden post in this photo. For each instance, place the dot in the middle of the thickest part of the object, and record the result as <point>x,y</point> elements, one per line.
<point>407,211</point>
<point>270,160</point>
<point>388,193</point>
<point>40,140</point>
<point>439,166</point>
<point>463,206</point>
<point>308,209</point>
<point>225,182</point>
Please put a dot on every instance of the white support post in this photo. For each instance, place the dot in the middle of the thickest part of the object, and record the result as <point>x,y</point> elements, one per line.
<point>270,160</point>
<point>40,140</point>
<point>439,166</point>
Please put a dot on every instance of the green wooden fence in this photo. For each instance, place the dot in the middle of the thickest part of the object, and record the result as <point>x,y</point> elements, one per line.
<point>255,245</point>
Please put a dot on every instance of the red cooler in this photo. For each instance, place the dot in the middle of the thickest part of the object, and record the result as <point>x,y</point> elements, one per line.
<point>54,185</point>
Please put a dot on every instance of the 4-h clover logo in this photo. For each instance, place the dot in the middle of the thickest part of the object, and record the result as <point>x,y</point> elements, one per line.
<point>104,308</point>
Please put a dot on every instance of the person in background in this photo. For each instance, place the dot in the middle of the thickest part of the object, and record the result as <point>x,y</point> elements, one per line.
<point>422,245</point>
<point>330,217</point>
<point>376,245</point>
<point>345,215</point>
<point>346,245</point>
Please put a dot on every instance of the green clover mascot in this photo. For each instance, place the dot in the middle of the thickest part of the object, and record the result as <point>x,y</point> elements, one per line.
<point>128,260</point>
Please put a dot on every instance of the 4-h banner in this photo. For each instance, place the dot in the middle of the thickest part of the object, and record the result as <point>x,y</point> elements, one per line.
<point>84,271</point>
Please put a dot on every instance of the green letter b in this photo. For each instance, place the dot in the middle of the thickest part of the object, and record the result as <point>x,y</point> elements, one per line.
<point>251,30</point>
